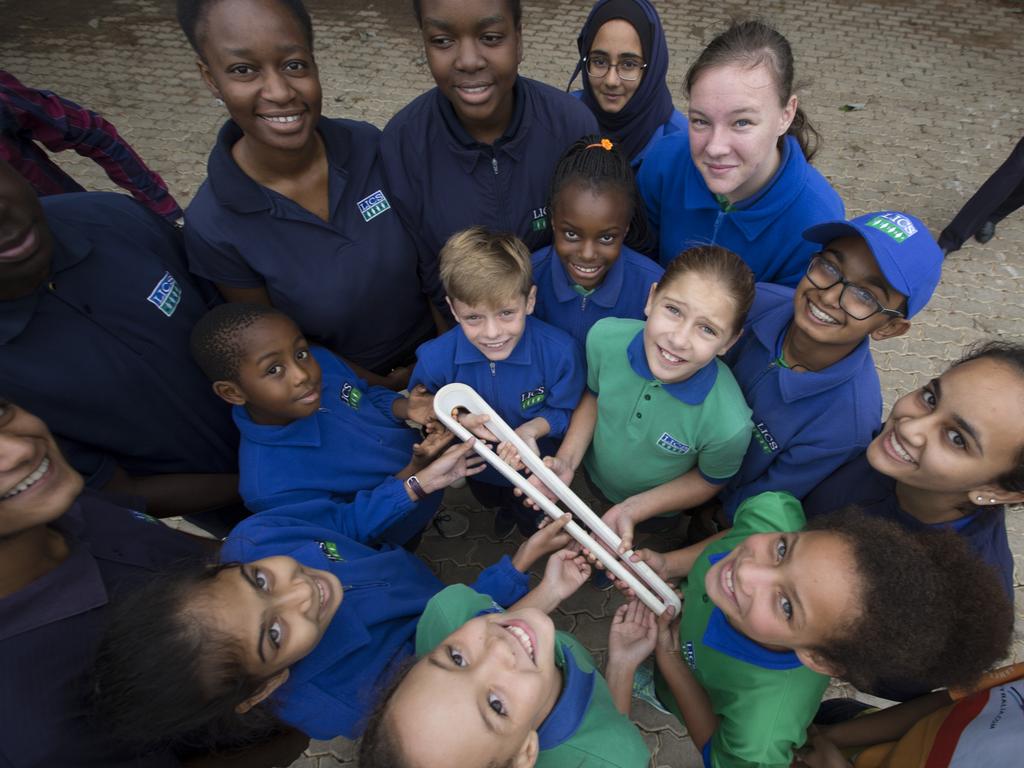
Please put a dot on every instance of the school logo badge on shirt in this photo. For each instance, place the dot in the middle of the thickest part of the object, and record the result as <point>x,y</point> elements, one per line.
<point>351,396</point>
<point>668,443</point>
<point>764,438</point>
<point>689,656</point>
<point>532,398</point>
<point>166,295</point>
<point>330,550</point>
<point>374,205</point>
<point>539,219</point>
<point>895,225</point>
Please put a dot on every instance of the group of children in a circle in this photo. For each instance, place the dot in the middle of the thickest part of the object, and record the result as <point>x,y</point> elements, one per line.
<point>730,366</point>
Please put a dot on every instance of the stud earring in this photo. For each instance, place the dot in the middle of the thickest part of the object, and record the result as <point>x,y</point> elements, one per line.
<point>991,501</point>
<point>980,499</point>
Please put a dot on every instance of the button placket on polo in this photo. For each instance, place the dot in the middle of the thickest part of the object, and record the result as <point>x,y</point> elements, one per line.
<point>643,403</point>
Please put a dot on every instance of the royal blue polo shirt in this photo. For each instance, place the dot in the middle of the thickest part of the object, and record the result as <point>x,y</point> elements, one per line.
<point>349,451</point>
<point>331,691</point>
<point>351,282</point>
<point>622,293</point>
<point>859,484</point>
<point>766,230</point>
<point>100,351</point>
<point>806,424</point>
<point>49,631</point>
<point>444,181</point>
<point>543,376</point>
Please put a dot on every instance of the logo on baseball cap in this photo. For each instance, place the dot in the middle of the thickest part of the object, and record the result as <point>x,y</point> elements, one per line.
<point>905,250</point>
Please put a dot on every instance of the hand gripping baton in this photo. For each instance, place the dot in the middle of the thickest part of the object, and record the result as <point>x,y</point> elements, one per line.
<point>648,586</point>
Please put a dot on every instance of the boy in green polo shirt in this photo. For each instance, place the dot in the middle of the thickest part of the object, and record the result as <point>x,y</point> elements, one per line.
<point>506,688</point>
<point>663,424</point>
<point>772,608</point>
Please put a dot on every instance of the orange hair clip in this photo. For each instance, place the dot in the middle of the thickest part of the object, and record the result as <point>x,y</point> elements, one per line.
<point>605,144</point>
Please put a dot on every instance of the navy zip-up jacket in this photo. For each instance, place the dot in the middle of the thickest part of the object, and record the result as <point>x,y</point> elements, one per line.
<point>443,181</point>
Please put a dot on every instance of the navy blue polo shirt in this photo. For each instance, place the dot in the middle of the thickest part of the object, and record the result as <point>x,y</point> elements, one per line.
<point>622,293</point>
<point>858,483</point>
<point>350,283</point>
<point>806,424</point>
<point>100,351</point>
<point>49,630</point>
<point>444,181</point>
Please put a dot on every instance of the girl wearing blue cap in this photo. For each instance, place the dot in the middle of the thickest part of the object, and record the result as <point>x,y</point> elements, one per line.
<point>741,176</point>
<point>624,61</point>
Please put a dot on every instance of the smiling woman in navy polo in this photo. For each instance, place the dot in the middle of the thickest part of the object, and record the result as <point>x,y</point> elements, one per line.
<point>295,211</point>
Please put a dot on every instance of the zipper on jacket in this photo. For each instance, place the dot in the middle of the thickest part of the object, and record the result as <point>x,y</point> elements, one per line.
<point>493,369</point>
<point>494,165</point>
<point>718,222</point>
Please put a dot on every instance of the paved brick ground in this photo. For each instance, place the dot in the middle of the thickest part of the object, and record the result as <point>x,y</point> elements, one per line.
<point>939,81</point>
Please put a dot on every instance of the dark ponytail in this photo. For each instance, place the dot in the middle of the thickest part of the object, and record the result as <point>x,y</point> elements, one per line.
<point>753,43</point>
<point>598,164</point>
<point>164,678</point>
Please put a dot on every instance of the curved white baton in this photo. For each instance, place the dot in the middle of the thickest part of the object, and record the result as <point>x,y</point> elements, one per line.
<point>648,586</point>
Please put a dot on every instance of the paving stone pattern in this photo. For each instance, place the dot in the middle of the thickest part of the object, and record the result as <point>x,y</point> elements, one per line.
<point>940,85</point>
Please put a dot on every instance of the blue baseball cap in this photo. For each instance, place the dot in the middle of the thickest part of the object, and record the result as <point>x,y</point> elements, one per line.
<point>905,250</point>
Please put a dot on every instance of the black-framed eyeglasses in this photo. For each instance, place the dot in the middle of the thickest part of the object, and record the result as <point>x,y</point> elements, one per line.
<point>859,303</point>
<point>628,69</point>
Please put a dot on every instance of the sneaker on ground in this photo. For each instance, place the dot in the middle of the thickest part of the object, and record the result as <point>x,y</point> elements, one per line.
<point>504,524</point>
<point>448,524</point>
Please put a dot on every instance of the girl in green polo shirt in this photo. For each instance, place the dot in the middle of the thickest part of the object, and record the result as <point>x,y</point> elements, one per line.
<point>663,424</point>
<point>773,608</point>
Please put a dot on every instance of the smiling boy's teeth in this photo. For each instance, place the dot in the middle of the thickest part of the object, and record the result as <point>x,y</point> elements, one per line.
<point>523,638</point>
<point>728,581</point>
<point>585,270</point>
<point>819,315</point>
<point>670,357</point>
<point>284,119</point>
<point>29,481</point>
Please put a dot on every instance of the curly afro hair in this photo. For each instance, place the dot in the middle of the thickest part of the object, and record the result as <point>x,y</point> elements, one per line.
<point>933,611</point>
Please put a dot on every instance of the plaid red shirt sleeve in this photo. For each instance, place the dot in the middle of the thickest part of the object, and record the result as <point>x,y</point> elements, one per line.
<point>28,115</point>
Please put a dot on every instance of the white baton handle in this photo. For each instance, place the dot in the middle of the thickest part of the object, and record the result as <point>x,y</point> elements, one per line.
<point>655,593</point>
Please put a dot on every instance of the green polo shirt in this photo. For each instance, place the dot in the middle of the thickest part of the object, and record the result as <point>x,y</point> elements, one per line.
<point>583,729</point>
<point>648,432</point>
<point>764,699</point>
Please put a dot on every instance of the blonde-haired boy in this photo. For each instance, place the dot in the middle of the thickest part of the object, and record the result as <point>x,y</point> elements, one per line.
<point>531,373</point>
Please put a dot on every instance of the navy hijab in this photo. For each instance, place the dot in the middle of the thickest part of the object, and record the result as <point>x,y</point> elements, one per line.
<point>651,105</point>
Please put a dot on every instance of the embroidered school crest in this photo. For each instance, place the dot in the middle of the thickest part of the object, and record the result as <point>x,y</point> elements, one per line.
<point>764,438</point>
<point>668,443</point>
<point>539,219</point>
<point>330,550</point>
<point>895,225</point>
<point>373,205</point>
<point>688,655</point>
<point>351,396</point>
<point>532,398</point>
<point>166,295</point>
